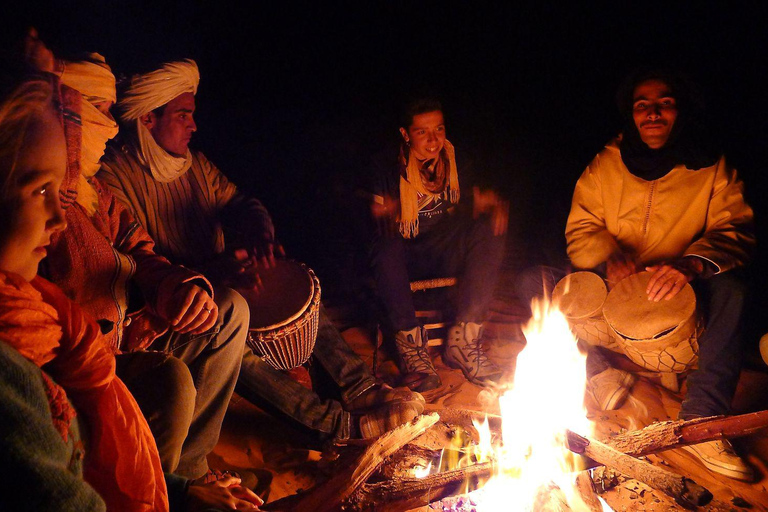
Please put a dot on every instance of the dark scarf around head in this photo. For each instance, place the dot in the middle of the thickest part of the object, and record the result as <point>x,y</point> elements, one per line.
<point>683,147</point>
<point>689,144</point>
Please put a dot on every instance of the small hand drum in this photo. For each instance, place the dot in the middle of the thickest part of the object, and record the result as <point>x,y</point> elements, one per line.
<point>580,297</point>
<point>661,336</point>
<point>285,313</point>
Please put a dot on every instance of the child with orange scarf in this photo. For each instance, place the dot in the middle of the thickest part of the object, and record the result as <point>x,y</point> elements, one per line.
<point>121,462</point>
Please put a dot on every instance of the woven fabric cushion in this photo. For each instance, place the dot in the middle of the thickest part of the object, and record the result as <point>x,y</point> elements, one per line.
<point>630,313</point>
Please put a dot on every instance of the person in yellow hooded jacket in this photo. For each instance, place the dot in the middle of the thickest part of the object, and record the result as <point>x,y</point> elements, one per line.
<point>659,198</point>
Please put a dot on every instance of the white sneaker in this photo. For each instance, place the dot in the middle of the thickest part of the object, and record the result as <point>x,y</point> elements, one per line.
<point>720,457</point>
<point>610,388</point>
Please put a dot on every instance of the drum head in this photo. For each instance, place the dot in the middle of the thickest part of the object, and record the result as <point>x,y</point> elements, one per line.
<point>630,313</point>
<point>285,295</point>
<point>580,295</point>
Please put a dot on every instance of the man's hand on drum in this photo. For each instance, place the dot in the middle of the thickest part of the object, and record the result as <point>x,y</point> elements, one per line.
<point>189,309</point>
<point>619,266</point>
<point>264,251</point>
<point>669,278</point>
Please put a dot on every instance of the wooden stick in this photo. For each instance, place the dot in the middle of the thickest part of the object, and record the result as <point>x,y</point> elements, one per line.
<point>683,490</point>
<point>466,416</point>
<point>408,493</point>
<point>428,284</point>
<point>329,495</point>
<point>666,435</point>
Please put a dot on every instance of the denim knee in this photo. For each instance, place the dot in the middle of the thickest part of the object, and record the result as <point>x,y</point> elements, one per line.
<point>178,390</point>
<point>234,313</point>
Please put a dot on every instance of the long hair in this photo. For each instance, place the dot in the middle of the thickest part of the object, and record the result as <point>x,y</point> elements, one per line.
<point>20,103</point>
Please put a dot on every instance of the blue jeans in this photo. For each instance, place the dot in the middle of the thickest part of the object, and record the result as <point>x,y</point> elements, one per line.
<point>184,382</point>
<point>721,351</point>
<point>457,246</point>
<point>319,419</point>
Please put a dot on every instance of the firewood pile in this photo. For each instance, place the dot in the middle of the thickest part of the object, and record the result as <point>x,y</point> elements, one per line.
<point>381,478</point>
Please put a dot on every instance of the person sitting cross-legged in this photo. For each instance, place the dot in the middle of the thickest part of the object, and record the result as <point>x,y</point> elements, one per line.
<point>199,219</point>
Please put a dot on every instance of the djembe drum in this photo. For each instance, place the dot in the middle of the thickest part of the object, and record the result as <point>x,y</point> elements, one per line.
<point>580,297</point>
<point>285,311</point>
<point>660,336</point>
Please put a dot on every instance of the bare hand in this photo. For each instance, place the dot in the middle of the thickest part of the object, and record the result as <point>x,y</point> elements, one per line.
<point>619,266</point>
<point>190,309</point>
<point>385,217</point>
<point>225,494</point>
<point>489,202</point>
<point>669,278</point>
<point>263,253</point>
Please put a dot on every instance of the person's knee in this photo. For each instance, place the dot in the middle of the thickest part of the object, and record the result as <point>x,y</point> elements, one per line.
<point>728,289</point>
<point>233,308</point>
<point>387,247</point>
<point>174,381</point>
<point>484,237</point>
<point>534,282</point>
<point>729,282</point>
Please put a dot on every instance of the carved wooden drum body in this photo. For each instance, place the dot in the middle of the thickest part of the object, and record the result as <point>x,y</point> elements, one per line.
<point>660,336</point>
<point>285,313</point>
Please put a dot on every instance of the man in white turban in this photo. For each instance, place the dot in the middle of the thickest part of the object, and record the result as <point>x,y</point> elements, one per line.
<point>189,207</point>
<point>161,320</point>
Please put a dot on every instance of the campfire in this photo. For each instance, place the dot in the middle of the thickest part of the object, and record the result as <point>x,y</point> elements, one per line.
<point>534,456</point>
<point>532,467</point>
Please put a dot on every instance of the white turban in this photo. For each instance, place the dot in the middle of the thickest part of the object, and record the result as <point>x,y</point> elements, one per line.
<point>91,77</point>
<point>153,90</point>
<point>94,80</point>
<point>148,92</point>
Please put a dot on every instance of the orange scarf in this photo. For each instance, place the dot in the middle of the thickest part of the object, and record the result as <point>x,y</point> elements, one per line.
<point>122,463</point>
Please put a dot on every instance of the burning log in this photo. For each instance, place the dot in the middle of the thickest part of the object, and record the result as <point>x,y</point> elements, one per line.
<point>465,417</point>
<point>407,493</point>
<point>683,490</point>
<point>331,494</point>
<point>666,435</point>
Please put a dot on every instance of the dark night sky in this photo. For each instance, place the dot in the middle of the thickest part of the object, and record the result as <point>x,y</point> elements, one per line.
<point>295,96</point>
